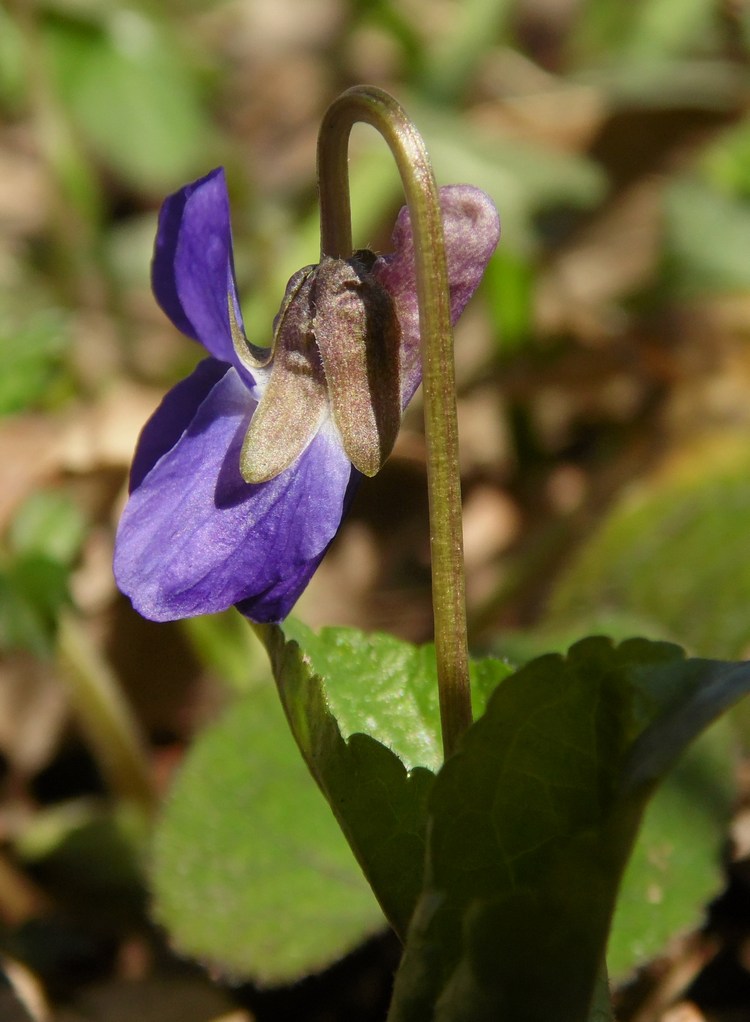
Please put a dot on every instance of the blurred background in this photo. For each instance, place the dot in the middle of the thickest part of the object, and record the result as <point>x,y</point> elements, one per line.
<point>604,402</point>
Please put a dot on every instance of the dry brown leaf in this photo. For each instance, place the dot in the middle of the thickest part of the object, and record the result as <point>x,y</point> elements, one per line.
<point>685,1011</point>
<point>29,455</point>
<point>28,989</point>
<point>105,434</point>
<point>176,998</point>
<point>33,711</point>
<point>607,260</point>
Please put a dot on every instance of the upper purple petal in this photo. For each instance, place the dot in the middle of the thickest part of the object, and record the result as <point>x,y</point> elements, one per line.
<point>192,272</point>
<point>195,538</point>
<point>472,230</point>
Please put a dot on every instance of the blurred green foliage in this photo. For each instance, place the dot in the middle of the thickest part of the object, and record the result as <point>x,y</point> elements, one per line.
<point>43,542</point>
<point>122,76</point>
<point>33,365</point>
<point>661,550</point>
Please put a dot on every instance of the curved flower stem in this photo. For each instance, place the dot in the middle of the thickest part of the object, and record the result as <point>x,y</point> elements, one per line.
<point>377,108</point>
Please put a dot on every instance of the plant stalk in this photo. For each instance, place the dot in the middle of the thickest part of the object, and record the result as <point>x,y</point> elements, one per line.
<point>104,716</point>
<point>375,107</point>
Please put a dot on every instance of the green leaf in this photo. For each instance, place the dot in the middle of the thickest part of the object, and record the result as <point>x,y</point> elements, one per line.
<point>707,240</point>
<point>48,524</point>
<point>641,30</point>
<point>43,540</point>
<point>387,688</point>
<point>523,177</point>
<point>226,645</point>
<point>744,15</point>
<point>532,823</point>
<point>133,95</point>
<point>675,868</point>
<point>453,62</point>
<point>726,163</point>
<point>663,27</point>
<point>90,854</point>
<point>364,711</point>
<point>679,536</point>
<point>33,590</point>
<point>509,280</point>
<point>664,83</point>
<point>13,77</point>
<point>399,26</point>
<point>33,343</point>
<point>250,871</point>
<point>646,571</point>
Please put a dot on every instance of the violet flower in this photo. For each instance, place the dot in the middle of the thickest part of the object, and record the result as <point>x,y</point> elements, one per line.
<point>196,537</point>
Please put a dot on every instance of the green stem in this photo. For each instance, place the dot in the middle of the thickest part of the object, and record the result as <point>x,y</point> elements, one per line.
<point>375,107</point>
<point>104,716</point>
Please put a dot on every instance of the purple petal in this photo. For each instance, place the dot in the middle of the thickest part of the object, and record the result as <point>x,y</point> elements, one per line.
<point>195,538</point>
<point>173,416</point>
<point>192,273</point>
<point>472,231</point>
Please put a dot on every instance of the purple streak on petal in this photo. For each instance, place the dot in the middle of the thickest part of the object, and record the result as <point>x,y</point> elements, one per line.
<point>173,416</point>
<point>472,230</point>
<point>195,538</point>
<point>192,272</point>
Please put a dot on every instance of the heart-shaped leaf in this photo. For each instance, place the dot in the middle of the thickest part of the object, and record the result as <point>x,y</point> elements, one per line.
<point>364,711</point>
<point>675,868</point>
<point>532,823</point>
<point>664,546</point>
<point>250,870</point>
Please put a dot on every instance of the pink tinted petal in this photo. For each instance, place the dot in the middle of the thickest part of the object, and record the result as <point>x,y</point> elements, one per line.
<point>195,538</point>
<point>472,231</point>
<point>192,272</point>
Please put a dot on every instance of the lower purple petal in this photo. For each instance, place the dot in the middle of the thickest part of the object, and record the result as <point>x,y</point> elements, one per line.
<point>173,416</point>
<point>195,538</point>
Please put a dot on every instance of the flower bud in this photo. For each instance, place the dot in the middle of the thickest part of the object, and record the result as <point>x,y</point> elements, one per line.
<point>335,352</point>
